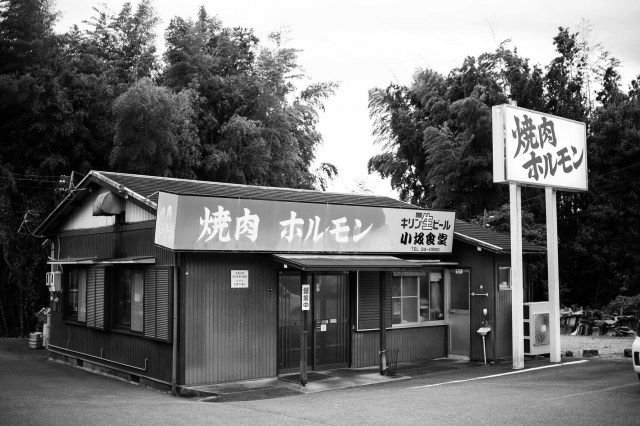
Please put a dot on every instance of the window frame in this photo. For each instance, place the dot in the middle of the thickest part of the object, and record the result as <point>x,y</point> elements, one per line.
<point>503,285</point>
<point>422,276</point>
<point>76,310</point>
<point>135,277</point>
<point>99,296</point>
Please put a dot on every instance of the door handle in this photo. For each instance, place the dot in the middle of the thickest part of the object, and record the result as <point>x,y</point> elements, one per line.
<point>480,294</point>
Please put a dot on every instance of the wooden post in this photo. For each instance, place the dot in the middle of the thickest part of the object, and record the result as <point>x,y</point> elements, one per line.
<point>383,323</point>
<point>553,273</point>
<point>517,328</point>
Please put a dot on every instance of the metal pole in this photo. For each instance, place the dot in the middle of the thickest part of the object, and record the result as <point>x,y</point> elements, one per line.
<point>553,274</point>
<point>383,323</point>
<point>517,328</point>
<point>484,350</point>
<point>303,334</point>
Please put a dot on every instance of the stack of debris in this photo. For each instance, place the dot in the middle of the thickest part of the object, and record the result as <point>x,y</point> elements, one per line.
<point>588,323</point>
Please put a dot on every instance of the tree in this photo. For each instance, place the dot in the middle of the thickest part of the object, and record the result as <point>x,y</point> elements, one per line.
<point>255,127</point>
<point>225,108</point>
<point>33,110</point>
<point>154,132</point>
<point>437,132</point>
<point>124,43</point>
<point>606,244</point>
<point>565,77</point>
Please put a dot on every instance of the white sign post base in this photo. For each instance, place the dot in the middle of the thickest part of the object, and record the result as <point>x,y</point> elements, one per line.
<point>517,327</point>
<point>553,276</point>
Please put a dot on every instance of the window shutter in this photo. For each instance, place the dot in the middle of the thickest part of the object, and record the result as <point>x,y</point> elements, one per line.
<point>369,300</point>
<point>158,290</point>
<point>96,298</point>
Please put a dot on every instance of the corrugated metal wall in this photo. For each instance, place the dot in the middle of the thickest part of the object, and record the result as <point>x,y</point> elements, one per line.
<point>82,217</point>
<point>128,349</point>
<point>135,240</point>
<point>229,334</point>
<point>117,347</point>
<point>503,325</point>
<point>481,264</point>
<point>415,344</point>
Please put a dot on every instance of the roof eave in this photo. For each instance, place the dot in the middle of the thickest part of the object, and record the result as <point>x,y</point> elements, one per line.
<point>123,190</point>
<point>100,179</point>
<point>479,243</point>
<point>40,230</point>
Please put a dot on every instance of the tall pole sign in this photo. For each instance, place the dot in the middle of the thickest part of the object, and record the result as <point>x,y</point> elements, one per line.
<point>535,149</point>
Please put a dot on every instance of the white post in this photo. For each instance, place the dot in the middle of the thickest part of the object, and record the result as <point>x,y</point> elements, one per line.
<point>517,328</point>
<point>553,277</point>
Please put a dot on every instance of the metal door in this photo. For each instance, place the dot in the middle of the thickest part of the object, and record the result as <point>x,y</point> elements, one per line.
<point>331,320</point>
<point>459,324</point>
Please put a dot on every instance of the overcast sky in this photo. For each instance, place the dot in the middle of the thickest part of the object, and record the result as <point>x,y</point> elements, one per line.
<point>370,43</point>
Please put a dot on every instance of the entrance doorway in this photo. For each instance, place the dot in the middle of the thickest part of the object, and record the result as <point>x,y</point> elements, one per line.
<point>457,282</point>
<point>327,323</point>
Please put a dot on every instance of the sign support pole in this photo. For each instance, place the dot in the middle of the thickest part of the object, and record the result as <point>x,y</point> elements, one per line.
<point>517,327</point>
<point>553,273</point>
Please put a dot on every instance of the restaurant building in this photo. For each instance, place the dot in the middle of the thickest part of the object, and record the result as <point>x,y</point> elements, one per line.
<point>183,283</point>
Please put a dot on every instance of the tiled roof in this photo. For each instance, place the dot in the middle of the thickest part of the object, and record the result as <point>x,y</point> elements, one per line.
<point>489,239</point>
<point>148,187</point>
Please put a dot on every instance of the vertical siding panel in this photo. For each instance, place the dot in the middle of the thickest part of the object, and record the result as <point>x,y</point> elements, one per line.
<point>122,348</point>
<point>232,331</point>
<point>118,347</point>
<point>414,344</point>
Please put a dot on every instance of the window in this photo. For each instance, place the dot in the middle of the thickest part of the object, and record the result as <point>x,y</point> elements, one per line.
<point>129,300</point>
<point>504,278</point>
<point>77,295</point>
<point>418,298</point>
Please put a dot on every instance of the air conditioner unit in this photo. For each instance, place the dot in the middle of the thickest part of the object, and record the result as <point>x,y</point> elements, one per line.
<point>54,281</point>
<point>536,328</point>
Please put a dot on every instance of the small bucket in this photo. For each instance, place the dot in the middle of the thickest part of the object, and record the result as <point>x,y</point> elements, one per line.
<point>35,340</point>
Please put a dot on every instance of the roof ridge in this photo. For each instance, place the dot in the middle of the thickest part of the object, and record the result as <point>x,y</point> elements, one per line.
<point>228,184</point>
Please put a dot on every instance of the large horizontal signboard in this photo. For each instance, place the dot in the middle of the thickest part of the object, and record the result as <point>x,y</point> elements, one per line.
<point>232,224</point>
<point>531,148</point>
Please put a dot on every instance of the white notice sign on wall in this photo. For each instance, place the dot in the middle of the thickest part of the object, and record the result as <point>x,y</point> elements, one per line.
<point>239,279</point>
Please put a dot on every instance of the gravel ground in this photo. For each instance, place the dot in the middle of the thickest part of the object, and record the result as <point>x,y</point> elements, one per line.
<point>609,347</point>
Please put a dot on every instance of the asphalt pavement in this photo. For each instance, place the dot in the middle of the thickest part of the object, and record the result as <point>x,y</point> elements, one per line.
<point>35,390</point>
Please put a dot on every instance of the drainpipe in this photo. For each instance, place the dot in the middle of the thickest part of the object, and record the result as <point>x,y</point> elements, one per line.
<point>174,360</point>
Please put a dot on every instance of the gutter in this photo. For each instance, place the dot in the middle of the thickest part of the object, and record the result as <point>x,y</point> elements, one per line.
<point>123,189</point>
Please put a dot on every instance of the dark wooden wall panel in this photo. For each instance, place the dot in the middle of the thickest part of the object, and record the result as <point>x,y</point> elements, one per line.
<point>503,328</point>
<point>117,347</point>
<point>415,344</point>
<point>368,300</point>
<point>502,324</point>
<point>481,264</point>
<point>112,243</point>
<point>229,334</point>
<point>136,240</point>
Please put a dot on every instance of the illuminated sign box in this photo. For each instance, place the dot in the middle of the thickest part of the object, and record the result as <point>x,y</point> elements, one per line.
<point>531,148</point>
<point>198,223</point>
